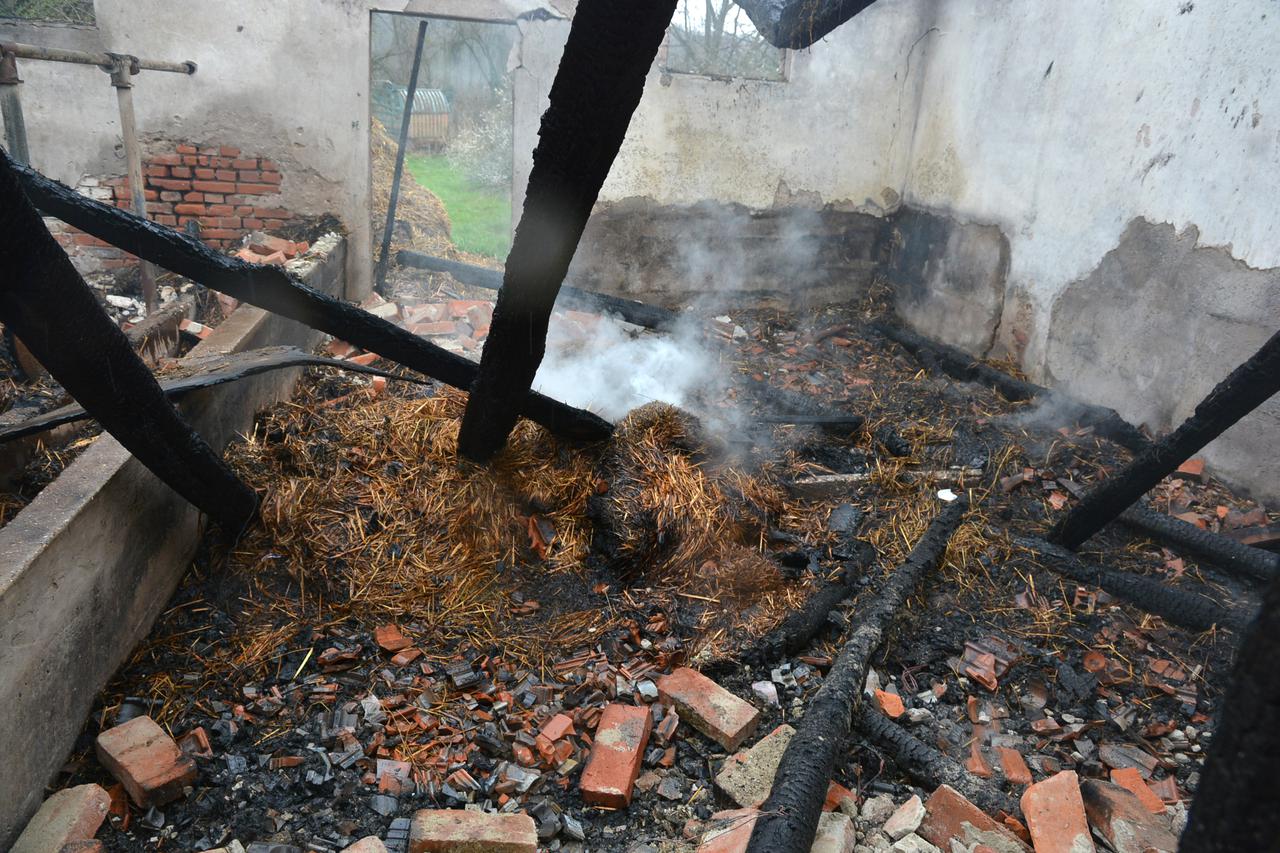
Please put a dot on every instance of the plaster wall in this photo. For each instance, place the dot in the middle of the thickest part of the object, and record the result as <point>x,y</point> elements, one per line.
<point>285,80</point>
<point>1129,154</point>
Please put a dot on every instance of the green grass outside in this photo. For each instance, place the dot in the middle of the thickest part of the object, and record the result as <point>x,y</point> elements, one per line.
<point>481,216</point>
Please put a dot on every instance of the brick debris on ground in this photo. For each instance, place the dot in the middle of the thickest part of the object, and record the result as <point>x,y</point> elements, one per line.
<point>558,707</point>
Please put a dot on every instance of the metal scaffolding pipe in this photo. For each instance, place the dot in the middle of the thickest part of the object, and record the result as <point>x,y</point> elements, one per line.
<point>105,61</point>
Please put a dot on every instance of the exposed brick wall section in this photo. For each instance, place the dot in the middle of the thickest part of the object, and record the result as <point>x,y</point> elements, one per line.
<point>229,193</point>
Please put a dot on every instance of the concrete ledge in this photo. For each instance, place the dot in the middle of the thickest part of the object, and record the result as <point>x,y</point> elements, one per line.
<point>87,567</point>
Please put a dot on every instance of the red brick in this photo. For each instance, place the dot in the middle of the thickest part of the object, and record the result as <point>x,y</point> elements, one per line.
<point>614,763</point>
<point>1130,779</point>
<point>272,212</point>
<point>226,174</point>
<point>190,160</point>
<point>251,175</point>
<point>480,315</point>
<point>170,195</point>
<point>445,327</point>
<point>222,210</point>
<point>189,209</point>
<point>729,832</point>
<point>890,704</point>
<point>253,189</point>
<point>228,151</point>
<point>156,171</point>
<point>709,708</point>
<point>273,224</point>
<point>167,184</point>
<point>146,761</point>
<point>1192,469</point>
<point>206,174</point>
<point>214,186</point>
<point>72,814</point>
<point>364,359</point>
<point>220,234</point>
<point>1054,811</point>
<point>1122,819</point>
<point>250,222</point>
<point>268,165</point>
<point>186,149</point>
<point>215,198</point>
<point>166,219</point>
<point>209,150</point>
<point>166,160</point>
<point>267,244</point>
<point>460,831</point>
<point>1014,766</point>
<point>557,727</point>
<point>271,178</point>
<point>948,815</point>
<point>244,164</point>
<point>458,308</point>
<point>369,844</point>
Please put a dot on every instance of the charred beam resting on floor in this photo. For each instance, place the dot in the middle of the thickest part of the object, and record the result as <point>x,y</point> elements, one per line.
<point>789,817</point>
<point>800,627</point>
<point>926,766</point>
<point>1224,553</point>
<point>1180,607</point>
<point>828,423</point>
<point>1246,388</point>
<point>958,364</point>
<point>611,47</point>
<point>274,289</point>
<point>206,373</point>
<point>637,313</point>
<point>822,486</point>
<point>48,305</point>
<point>797,24</point>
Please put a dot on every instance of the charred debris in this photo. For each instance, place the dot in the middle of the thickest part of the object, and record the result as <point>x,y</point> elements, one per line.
<point>891,618</point>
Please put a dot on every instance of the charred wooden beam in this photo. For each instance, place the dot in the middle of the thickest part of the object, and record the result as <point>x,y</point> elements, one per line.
<point>275,290</point>
<point>798,630</point>
<point>205,373</point>
<point>1222,552</point>
<point>958,364</point>
<point>611,46</point>
<point>1180,607</point>
<point>797,24</point>
<point>1230,811</point>
<point>928,767</point>
<point>789,817</point>
<point>1246,388</point>
<point>49,306</point>
<point>828,423</point>
<point>648,316</point>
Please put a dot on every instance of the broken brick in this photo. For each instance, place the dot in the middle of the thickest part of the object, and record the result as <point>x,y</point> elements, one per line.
<point>747,776</point>
<point>1192,469</point>
<point>369,844</point>
<point>1054,811</point>
<point>1014,766</point>
<point>557,727</point>
<point>146,761</point>
<point>70,815</point>
<point>905,820</point>
<point>196,743</point>
<point>460,831</point>
<point>1131,780</point>
<point>948,815</point>
<point>615,757</point>
<point>729,831</point>
<point>709,708</point>
<point>1121,818</point>
<point>890,704</point>
<point>389,638</point>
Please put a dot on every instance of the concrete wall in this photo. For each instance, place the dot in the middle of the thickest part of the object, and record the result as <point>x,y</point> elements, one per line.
<point>1130,154</point>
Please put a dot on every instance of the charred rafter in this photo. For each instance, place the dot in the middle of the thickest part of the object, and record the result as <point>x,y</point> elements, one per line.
<point>611,46</point>
<point>48,305</point>
<point>277,291</point>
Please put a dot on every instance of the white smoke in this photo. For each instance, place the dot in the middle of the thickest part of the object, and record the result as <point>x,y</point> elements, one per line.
<point>615,367</point>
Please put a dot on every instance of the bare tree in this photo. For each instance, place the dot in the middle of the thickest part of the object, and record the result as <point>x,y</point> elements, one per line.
<point>720,42</point>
